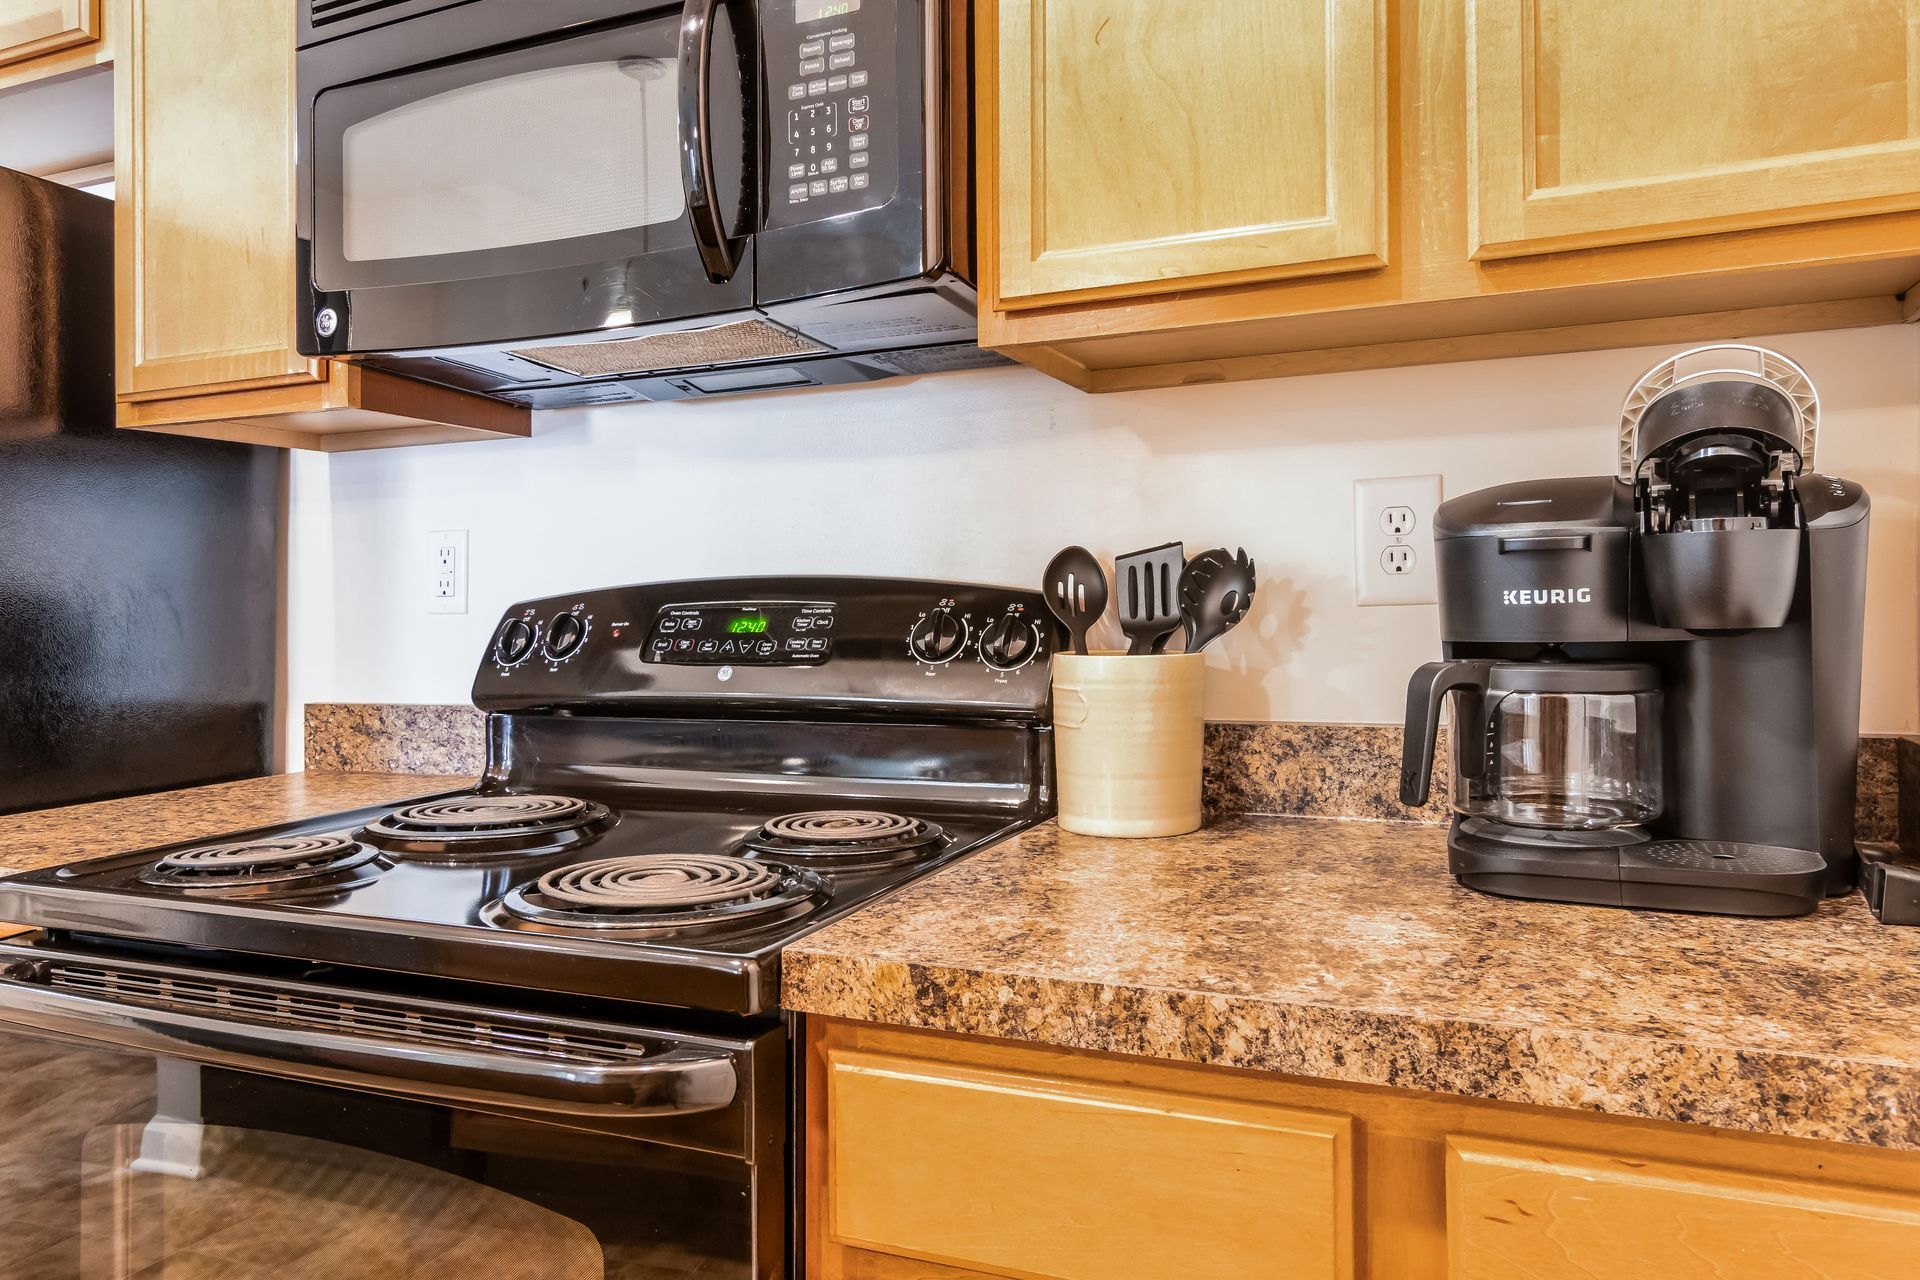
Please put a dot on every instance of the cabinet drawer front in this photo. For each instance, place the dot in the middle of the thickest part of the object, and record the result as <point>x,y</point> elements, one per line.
<point>1029,1175</point>
<point>29,28</point>
<point>1632,121</point>
<point>1146,146</point>
<point>1522,1212</point>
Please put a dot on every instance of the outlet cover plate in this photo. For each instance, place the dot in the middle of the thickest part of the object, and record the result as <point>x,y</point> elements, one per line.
<point>1393,540</point>
<point>447,571</point>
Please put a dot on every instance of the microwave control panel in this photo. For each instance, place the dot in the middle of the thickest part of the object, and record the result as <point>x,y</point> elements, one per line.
<point>832,79</point>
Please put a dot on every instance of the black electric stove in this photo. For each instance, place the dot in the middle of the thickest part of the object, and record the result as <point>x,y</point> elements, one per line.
<point>681,779</point>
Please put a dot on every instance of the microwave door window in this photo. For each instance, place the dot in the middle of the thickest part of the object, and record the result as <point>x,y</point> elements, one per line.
<point>554,157</point>
<point>543,156</point>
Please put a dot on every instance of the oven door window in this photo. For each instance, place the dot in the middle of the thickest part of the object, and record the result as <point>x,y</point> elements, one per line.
<point>122,1165</point>
<point>530,159</point>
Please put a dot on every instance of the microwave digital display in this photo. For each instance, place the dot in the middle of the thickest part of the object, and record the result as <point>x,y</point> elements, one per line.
<point>812,10</point>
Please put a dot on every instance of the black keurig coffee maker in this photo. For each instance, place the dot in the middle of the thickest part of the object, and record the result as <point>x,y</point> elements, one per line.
<point>1656,675</point>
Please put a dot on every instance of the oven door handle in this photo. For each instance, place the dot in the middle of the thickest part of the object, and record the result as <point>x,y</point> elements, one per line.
<point>677,1081</point>
<point>719,251</point>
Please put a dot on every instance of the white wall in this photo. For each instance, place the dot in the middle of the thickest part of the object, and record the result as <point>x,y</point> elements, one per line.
<point>984,475</point>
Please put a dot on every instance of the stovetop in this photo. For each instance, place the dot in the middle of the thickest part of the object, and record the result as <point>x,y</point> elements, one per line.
<point>654,824</point>
<point>453,913</point>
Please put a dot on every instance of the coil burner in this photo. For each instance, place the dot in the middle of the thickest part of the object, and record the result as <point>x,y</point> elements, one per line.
<point>262,868</point>
<point>846,839</point>
<point>476,828</point>
<point>665,892</point>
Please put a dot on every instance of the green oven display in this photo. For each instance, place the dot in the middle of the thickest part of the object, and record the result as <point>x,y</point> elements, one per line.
<point>748,626</point>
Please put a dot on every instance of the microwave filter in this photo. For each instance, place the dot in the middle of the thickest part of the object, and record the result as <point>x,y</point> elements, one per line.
<point>686,349</point>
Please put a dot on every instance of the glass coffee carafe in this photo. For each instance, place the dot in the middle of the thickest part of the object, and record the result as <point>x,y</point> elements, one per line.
<point>1559,745</point>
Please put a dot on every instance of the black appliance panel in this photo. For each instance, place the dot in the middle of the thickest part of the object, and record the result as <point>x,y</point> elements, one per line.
<point>118,549</point>
<point>867,662</point>
<point>879,132</point>
<point>616,1149</point>
<point>758,633</point>
<point>642,50</point>
<point>620,282</point>
<point>846,285</point>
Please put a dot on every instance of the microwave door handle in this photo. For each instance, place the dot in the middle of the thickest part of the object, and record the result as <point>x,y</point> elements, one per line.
<point>719,252</point>
<point>678,1081</point>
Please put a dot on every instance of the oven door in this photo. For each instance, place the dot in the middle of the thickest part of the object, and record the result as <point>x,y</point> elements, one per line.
<point>468,177</point>
<point>169,1120</point>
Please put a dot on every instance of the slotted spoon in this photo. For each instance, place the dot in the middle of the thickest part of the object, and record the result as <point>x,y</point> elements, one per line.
<point>1076,591</point>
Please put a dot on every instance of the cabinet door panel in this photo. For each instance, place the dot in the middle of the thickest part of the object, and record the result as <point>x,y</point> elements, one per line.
<point>1521,1212</point>
<point>206,191</point>
<point>1146,146</point>
<point>29,28</point>
<point>1630,121</point>
<point>1011,1174</point>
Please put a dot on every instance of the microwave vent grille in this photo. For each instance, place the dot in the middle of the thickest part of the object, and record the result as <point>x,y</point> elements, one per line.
<point>687,349</point>
<point>329,11</point>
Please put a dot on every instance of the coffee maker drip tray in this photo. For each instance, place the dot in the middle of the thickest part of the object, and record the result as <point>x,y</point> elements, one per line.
<point>1627,868</point>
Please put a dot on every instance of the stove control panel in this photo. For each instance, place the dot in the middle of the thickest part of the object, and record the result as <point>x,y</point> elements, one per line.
<point>753,632</point>
<point>802,645</point>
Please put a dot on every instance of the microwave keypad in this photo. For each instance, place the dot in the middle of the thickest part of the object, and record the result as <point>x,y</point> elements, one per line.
<point>829,127</point>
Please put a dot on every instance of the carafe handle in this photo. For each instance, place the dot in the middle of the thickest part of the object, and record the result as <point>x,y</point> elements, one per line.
<point>1430,684</point>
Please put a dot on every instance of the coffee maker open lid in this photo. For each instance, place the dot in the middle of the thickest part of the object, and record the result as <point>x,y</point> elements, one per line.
<point>1726,387</point>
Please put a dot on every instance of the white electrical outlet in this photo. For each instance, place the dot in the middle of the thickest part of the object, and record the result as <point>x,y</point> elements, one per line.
<point>1393,540</point>
<point>447,571</point>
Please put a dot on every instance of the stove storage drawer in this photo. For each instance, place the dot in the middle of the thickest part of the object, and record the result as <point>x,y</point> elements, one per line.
<point>995,1172</point>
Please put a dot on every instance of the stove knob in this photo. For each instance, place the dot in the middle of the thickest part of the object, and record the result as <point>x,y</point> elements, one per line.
<point>564,635</point>
<point>1009,643</point>
<point>516,642</point>
<point>938,637</point>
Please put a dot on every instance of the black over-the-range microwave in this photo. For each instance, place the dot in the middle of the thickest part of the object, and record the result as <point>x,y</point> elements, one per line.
<point>578,202</point>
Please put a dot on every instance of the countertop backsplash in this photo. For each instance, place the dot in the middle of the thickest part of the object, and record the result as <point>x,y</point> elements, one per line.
<point>1264,768</point>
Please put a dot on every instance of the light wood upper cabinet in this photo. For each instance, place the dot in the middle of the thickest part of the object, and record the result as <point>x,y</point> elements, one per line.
<point>1144,146</point>
<point>41,38</point>
<point>1601,124</point>
<point>205,191</point>
<point>33,28</point>
<point>204,248</point>
<point>1526,1212</point>
<point>1177,193</point>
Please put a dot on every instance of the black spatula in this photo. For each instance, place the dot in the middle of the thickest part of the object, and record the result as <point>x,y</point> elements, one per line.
<point>1076,591</point>
<point>1148,583</point>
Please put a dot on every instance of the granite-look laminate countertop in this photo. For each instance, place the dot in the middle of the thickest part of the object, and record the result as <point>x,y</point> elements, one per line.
<point>1344,950</point>
<point>48,837</point>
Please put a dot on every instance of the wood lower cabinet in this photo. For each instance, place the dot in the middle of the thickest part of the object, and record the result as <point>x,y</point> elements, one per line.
<point>1019,1173</point>
<point>204,248</point>
<point>1173,194</point>
<point>937,1157</point>
<point>1517,1211</point>
<point>40,38</point>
